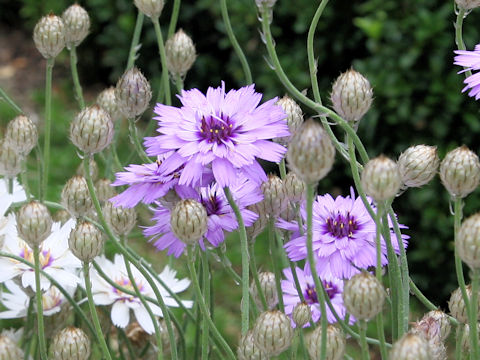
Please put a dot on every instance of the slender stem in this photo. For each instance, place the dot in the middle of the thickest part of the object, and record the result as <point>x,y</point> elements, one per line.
<point>93,312</point>
<point>473,316</point>
<point>10,185</point>
<point>136,142</point>
<point>76,81</point>
<point>179,83</point>
<point>245,260</point>
<point>24,179</point>
<point>173,18</point>
<point>283,169</point>
<point>381,336</point>
<point>457,219</point>
<point>27,333</point>
<point>132,54</point>
<point>39,296</point>
<point>206,296</point>
<point>458,33</point>
<point>48,120</point>
<point>235,44</point>
<point>163,58</point>
<point>458,342</point>
<point>9,101</point>
<point>362,330</point>
<point>254,271</point>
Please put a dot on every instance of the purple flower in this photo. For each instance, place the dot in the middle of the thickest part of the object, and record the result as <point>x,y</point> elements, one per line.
<point>221,217</point>
<point>227,131</point>
<point>470,60</point>
<point>333,287</point>
<point>343,237</point>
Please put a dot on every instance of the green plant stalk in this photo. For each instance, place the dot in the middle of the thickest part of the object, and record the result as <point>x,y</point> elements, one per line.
<point>93,312</point>
<point>473,316</point>
<point>38,294</point>
<point>163,58</point>
<point>254,271</point>
<point>283,169</point>
<point>173,18</point>
<point>275,262</point>
<point>136,142</point>
<point>179,83</point>
<point>206,297</point>
<point>27,337</point>
<point>362,330</point>
<point>458,341</point>
<point>10,185</point>
<point>235,44</point>
<point>203,308</point>
<point>76,80</point>
<point>381,336</point>
<point>245,260</point>
<point>48,125</point>
<point>135,39</point>
<point>457,220</point>
<point>24,179</point>
<point>458,33</point>
<point>9,101</point>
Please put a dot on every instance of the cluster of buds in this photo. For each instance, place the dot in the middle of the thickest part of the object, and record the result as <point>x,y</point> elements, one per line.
<point>294,118</point>
<point>273,332</point>
<point>180,52</point>
<point>268,288</point>
<point>336,343</point>
<point>133,93</point>
<point>381,178</point>
<point>363,296</point>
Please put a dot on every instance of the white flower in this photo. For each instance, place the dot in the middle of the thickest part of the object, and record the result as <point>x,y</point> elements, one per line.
<point>105,294</point>
<point>55,258</point>
<point>16,301</point>
<point>7,199</point>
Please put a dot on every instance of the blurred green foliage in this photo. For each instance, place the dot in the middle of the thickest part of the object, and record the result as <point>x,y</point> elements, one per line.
<point>404,47</point>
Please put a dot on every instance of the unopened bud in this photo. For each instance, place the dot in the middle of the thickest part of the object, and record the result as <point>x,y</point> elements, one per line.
<point>189,221</point>
<point>257,227</point>
<point>468,241</point>
<point>269,290</point>
<point>468,4</point>
<point>351,96</point>
<point>294,118</point>
<point>274,199</point>
<point>273,332</point>
<point>465,343</point>
<point>133,93</point>
<point>70,344</point>
<point>381,178</point>
<point>267,3</point>
<point>85,241</point>
<point>21,134</point>
<point>93,169</point>
<point>418,165</point>
<point>335,343</point>
<point>442,320</point>
<point>410,347</point>
<point>49,36</point>
<point>120,219</point>
<point>151,8</point>
<point>460,172</point>
<point>104,190</point>
<point>34,223</point>
<point>92,130</point>
<point>429,329</point>
<point>301,314</point>
<point>10,160</point>
<point>311,152</point>
<point>247,350</point>
<point>107,101</point>
<point>363,296</point>
<point>294,187</point>
<point>9,350</point>
<point>180,52</point>
<point>61,216</point>
<point>457,306</point>
<point>289,213</point>
<point>76,198</point>
<point>77,25</point>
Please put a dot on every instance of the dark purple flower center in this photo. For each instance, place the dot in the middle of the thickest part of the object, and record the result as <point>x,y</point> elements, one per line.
<point>310,294</point>
<point>216,128</point>
<point>341,225</point>
<point>212,204</point>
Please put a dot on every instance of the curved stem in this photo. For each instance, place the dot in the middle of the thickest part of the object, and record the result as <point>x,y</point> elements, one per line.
<point>132,54</point>
<point>163,58</point>
<point>173,18</point>
<point>9,101</point>
<point>457,219</point>
<point>76,80</point>
<point>206,297</point>
<point>473,316</point>
<point>39,296</point>
<point>48,120</point>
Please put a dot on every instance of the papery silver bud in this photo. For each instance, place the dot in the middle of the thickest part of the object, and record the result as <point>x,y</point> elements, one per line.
<point>267,3</point>
<point>311,153</point>
<point>180,52</point>
<point>133,93</point>
<point>85,241</point>
<point>468,241</point>
<point>460,172</point>
<point>289,214</point>
<point>21,134</point>
<point>273,332</point>
<point>93,169</point>
<point>77,25</point>
<point>429,329</point>
<point>442,320</point>
<point>363,296</point>
<point>274,198</point>
<point>188,221</point>
<point>418,165</point>
<point>301,314</point>
<point>9,350</point>
<point>76,197</point>
<point>294,187</point>
<point>336,343</point>
<point>457,306</point>
<point>269,290</point>
<point>61,216</point>
<point>247,350</point>
<point>151,8</point>
<point>410,347</point>
<point>294,118</point>
<point>259,225</point>
<point>120,219</point>
<point>49,36</point>
<point>104,190</point>
<point>92,130</point>
<point>465,343</point>
<point>10,160</point>
<point>107,101</point>
<point>34,223</point>
<point>70,344</point>
<point>381,178</point>
<point>468,4</point>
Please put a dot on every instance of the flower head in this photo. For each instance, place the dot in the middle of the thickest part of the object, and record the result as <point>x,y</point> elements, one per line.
<point>470,60</point>
<point>228,131</point>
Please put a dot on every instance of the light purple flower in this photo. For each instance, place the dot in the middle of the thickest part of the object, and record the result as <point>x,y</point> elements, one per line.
<point>470,60</point>
<point>343,237</point>
<point>333,287</point>
<point>227,131</point>
<point>221,217</point>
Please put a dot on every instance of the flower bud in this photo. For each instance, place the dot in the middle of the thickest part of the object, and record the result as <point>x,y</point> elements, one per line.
<point>267,3</point>
<point>257,227</point>
<point>85,241</point>
<point>61,216</point>
<point>269,290</point>
<point>70,344</point>
<point>76,198</point>
<point>429,329</point>
<point>104,190</point>
<point>247,350</point>
<point>351,96</point>
<point>465,340</point>
<point>301,314</point>
<point>120,219</point>
<point>91,130</point>
<point>151,8</point>
<point>10,160</point>
<point>77,25</point>
<point>381,178</point>
<point>34,223</point>
<point>9,350</point>
<point>363,296</point>
<point>294,118</point>
<point>180,52</point>
<point>460,172</point>
<point>468,4</point>
<point>311,152</point>
<point>294,187</point>
<point>442,320</point>
<point>21,134</point>
<point>189,221</point>
<point>273,332</point>
<point>93,169</point>
<point>107,101</point>
<point>468,241</point>
<point>457,306</point>
<point>410,347</point>
<point>418,165</point>
<point>274,199</point>
<point>49,36</point>
<point>335,343</point>
<point>133,93</point>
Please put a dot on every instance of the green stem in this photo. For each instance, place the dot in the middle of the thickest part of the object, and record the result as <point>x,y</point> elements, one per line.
<point>9,101</point>
<point>27,333</point>
<point>163,58</point>
<point>10,185</point>
<point>206,296</point>
<point>473,316</point>
<point>362,327</point>
<point>136,142</point>
<point>381,336</point>
<point>245,260</point>
<point>179,83</point>
<point>457,219</point>
<point>283,169</point>
<point>39,296</point>
<point>458,34</point>
<point>76,81</point>
<point>24,179</point>
<point>254,271</point>
<point>458,341</point>
<point>135,39</point>
<point>93,312</point>
<point>173,18</point>
<point>235,44</point>
<point>48,120</point>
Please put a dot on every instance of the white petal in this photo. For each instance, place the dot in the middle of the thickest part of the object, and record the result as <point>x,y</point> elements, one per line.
<point>144,319</point>
<point>120,314</point>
